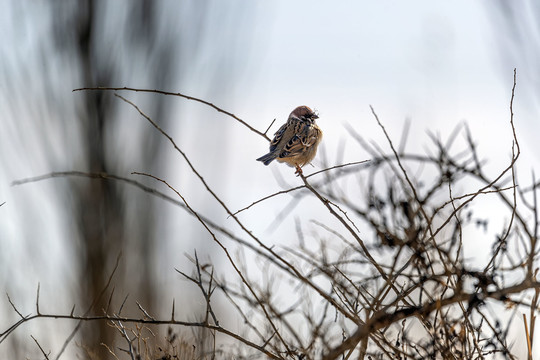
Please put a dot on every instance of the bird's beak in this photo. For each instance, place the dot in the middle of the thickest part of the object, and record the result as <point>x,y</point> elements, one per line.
<point>314,116</point>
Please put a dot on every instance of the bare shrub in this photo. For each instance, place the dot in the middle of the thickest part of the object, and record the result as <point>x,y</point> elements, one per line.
<point>388,278</point>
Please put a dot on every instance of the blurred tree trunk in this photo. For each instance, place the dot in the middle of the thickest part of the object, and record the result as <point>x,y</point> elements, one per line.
<point>99,206</point>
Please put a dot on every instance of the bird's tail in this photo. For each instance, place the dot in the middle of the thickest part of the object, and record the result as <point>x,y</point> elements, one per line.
<point>267,159</point>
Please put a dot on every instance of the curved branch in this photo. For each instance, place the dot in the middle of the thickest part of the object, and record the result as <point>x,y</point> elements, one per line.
<point>104,88</point>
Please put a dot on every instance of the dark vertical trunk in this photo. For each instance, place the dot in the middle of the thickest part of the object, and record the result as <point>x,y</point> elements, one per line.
<point>99,209</point>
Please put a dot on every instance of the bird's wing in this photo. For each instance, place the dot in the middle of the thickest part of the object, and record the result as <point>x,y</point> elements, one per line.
<point>299,142</point>
<point>278,136</point>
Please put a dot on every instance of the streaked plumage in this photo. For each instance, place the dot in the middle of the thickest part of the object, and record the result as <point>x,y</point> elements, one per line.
<point>295,143</point>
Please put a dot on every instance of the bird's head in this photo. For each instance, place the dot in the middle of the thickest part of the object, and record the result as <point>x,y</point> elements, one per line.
<point>304,113</point>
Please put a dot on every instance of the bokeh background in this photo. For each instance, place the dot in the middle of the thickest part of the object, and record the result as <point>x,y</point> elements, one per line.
<point>434,64</point>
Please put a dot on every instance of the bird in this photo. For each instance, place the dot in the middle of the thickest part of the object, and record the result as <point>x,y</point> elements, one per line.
<point>296,141</point>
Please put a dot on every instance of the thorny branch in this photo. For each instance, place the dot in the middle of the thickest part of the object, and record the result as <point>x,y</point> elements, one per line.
<point>135,320</point>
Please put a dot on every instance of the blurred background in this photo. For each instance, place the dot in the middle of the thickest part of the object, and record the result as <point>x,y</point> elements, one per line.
<point>435,64</point>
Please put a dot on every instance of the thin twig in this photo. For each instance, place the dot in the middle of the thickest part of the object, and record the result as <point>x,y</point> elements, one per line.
<point>298,187</point>
<point>337,167</point>
<point>14,308</point>
<point>101,88</point>
<point>110,350</point>
<point>269,126</point>
<point>529,347</point>
<point>37,299</point>
<point>120,327</point>
<point>268,197</point>
<point>40,348</point>
<point>144,311</point>
<point>199,282</point>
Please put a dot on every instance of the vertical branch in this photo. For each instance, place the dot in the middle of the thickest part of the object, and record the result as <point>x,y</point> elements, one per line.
<point>527,336</point>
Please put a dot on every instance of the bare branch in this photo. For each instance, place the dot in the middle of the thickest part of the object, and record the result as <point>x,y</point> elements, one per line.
<point>179,95</point>
<point>14,308</point>
<point>268,197</point>
<point>269,126</point>
<point>337,167</point>
<point>40,348</point>
<point>144,311</point>
<point>116,318</point>
<point>37,300</point>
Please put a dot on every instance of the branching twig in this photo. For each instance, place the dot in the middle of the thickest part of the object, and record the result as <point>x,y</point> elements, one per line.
<point>206,293</point>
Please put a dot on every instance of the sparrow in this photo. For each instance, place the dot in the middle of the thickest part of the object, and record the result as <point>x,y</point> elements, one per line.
<point>295,143</point>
